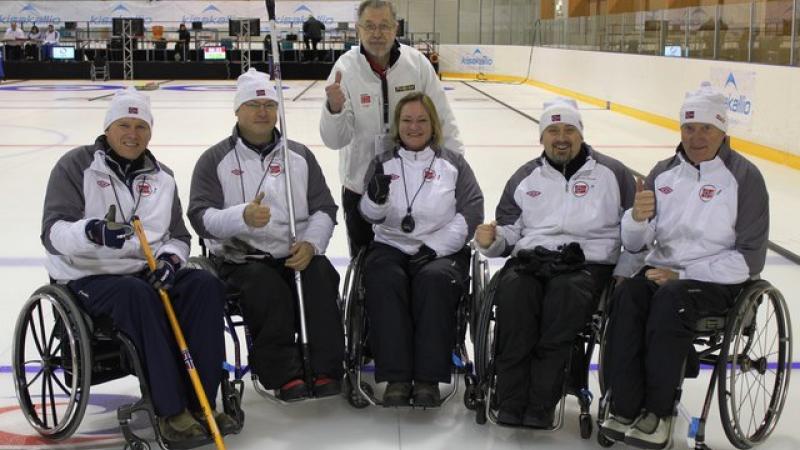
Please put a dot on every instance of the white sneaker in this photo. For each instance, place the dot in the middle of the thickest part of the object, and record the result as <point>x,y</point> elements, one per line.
<point>615,427</point>
<point>650,431</point>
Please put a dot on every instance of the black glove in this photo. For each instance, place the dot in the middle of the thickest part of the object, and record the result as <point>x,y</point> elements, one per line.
<point>164,275</point>
<point>378,188</point>
<point>107,232</point>
<point>545,263</point>
<point>423,256</point>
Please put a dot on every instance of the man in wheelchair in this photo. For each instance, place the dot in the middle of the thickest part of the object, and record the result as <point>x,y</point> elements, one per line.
<point>704,216</point>
<point>93,252</point>
<point>238,205</point>
<point>559,219</point>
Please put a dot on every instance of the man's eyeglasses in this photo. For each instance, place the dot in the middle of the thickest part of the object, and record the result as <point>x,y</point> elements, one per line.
<point>382,28</point>
<point>269,106</point>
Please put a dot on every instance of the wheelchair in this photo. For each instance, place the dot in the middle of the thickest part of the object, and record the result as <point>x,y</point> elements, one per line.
<point>357,389</point>
<point>481,397</point>
<point>750,350</point>
<point>234,318</point>
<point>60,351</point>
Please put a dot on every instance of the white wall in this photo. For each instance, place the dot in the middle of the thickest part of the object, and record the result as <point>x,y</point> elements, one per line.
<point>657,84</point>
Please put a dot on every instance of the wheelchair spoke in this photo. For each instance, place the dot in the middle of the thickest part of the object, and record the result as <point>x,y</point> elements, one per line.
<point>62,386</point>
<point>34,333</point>
<point>44,400</point>
<point>52,398</point>
<point>35,377</point>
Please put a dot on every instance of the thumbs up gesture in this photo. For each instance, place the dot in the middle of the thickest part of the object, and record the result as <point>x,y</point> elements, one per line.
<point>335,94</point>
<point>255,214</point>
<point>485,234</point>
<point>644,203</point>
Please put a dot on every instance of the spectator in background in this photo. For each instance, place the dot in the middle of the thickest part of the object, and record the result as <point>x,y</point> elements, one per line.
<point>51,38</point>
<point>182,47</point>
<point>312,32</point>
<point>32,46</point>
<point>13,39</point>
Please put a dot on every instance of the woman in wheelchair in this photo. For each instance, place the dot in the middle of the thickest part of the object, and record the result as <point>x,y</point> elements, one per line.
<point>558,218</point>
<point>94,253</point>
<point>424,203</point>
<point>704,215</point>
<point>238,205</point>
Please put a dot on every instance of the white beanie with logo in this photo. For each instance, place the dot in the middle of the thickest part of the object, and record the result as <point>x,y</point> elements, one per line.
<point>253,85</point>
<point>705,105</point>
<point>560,110</point>
<point>128,103</point>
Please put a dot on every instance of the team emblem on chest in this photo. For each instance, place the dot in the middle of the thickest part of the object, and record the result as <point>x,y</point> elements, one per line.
<point>145,189</point>
<point>366,100</point>
<point>274,169</point>
<point>428,174</point>
<point>580,189</point>
<point>708,192</point>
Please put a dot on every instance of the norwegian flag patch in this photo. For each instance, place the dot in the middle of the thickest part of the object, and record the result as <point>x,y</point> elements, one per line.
<point>688,115</point>
<point>429,174</point>
<point>133,110</point>
<point>366,100</point>
<point>261,92</point>
<point>555,118</point>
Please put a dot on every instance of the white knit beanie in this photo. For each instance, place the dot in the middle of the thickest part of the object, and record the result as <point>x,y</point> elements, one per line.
<point>705,105</point>
<point>128,103</point>
<point>560,110</point>
<point>253,85</point>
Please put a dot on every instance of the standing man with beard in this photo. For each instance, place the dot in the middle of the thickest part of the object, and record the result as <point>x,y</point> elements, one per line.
<point>568,202</point>
<point>365,85</point>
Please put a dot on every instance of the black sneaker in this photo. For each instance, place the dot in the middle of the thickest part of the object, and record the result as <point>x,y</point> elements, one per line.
<point>537,417</point>
<point>426,394</point>
<point>293,391</point>
<point>398,393</point>
<point>325,386</point>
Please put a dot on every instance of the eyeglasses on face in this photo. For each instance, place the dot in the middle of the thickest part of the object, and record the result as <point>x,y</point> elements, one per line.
<point>269,106</point>
<point>382,28</point>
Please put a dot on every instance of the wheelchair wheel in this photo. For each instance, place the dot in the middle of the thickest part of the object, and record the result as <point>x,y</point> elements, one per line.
<point>479,278</point>
<point>484,336</point>
<point>52,362</point>
<point>754,365</point>
<point>585,425</point>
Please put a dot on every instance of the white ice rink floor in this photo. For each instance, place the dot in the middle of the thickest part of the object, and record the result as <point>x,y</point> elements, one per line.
<point>41,120</point>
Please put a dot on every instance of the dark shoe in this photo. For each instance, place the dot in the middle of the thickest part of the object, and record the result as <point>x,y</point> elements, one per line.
<point>541,418</point>
<point>508,416</point>
<point>325,386</point>
<point>182,430</point>
<point>225,423</point>
<point>426,395</point>
<point>397,393</point>
<point>293,391</point>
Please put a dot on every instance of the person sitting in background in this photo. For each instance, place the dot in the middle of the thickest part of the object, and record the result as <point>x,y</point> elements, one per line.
<point>32,46</point>
<point>51,39</point>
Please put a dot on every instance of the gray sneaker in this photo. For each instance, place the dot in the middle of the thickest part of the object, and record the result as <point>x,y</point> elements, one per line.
<point>650,431</point>
<point>615,427</point>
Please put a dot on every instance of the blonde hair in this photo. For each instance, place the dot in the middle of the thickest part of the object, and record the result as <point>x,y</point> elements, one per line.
<point>430,108</point>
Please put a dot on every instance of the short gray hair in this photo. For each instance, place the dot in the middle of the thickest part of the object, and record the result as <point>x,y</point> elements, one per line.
<point>377,4</point>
